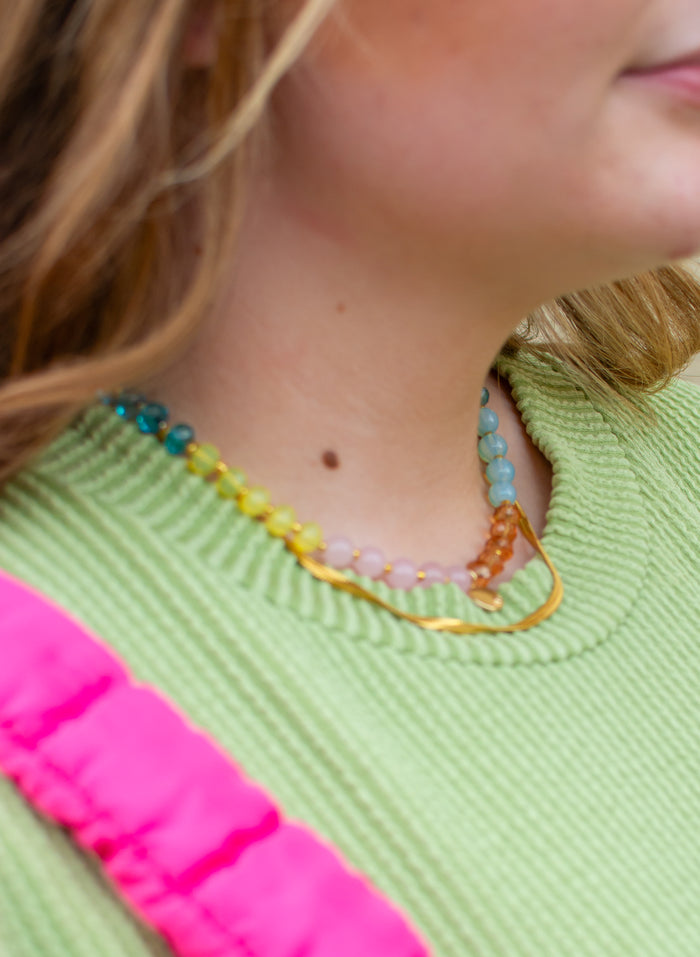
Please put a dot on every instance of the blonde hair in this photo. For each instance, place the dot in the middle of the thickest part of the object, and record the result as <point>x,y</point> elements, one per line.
<point>110,144</point>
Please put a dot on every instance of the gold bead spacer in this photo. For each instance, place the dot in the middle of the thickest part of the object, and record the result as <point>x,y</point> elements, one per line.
<point>486,599</point>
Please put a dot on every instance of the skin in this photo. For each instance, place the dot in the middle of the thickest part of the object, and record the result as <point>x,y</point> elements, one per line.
<point>436,170</point>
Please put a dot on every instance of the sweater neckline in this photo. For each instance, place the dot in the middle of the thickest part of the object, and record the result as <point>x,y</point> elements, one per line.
<point>596,518</point>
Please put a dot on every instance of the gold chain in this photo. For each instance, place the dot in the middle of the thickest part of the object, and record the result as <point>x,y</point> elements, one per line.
<point>454,626</point>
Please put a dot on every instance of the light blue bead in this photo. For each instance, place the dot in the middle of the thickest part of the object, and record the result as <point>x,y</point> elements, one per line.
<point>178,438</point>
<point>150,417</point>
<point>501,492</point>
<point>484,396</point>
<point>500,470</point>
<point>488,421</point>
<point>492,445</point>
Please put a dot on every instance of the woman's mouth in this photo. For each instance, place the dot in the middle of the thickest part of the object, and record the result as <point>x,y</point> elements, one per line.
<point>679,77</point>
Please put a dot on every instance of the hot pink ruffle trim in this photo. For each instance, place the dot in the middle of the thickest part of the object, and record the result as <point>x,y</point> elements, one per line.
<point>198,851</point>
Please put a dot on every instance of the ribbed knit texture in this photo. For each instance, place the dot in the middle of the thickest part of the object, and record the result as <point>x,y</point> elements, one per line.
<point>536,795</point>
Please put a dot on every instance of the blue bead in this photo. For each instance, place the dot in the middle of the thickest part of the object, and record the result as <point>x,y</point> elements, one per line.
<point>488,421</point>
<point>501,492</point>
<point>491,446</point>
<point>484,396</point>
<point>128,404</point>
<point>178,438</point>
<point>500,470</point>
<point>104,398</point>
<point>150,417</point>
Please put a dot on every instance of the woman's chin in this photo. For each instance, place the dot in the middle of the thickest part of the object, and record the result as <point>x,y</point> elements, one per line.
<point>686,250</point>
<point>675,230</point>
<point>669,247</point>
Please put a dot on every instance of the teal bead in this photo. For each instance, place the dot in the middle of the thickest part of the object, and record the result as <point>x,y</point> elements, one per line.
<point>150,417</point>
<point>178,438</point>
<point>128,405</point>
<point>491,446</point>
<point>501,492</point>
<point>484,396</point>
<point>500,470</point>
<point>488,421</point>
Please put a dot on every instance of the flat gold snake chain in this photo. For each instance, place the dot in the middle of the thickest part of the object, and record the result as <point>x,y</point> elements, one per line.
<point>454,626</point>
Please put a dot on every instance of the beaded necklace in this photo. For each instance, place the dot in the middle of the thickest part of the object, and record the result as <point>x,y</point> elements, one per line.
<point>328,559</point>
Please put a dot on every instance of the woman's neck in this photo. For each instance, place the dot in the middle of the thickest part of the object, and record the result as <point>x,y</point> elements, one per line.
<point>372,351</point>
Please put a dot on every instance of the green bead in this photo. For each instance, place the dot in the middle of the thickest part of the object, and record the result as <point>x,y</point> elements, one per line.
<point>204,460</point>
<point>280,522</point>
<point>307,539</point>
<point>254,501</point>
<point>230,483</point>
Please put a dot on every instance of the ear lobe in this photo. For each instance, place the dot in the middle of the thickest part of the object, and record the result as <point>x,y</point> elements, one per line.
<point>201,34</point>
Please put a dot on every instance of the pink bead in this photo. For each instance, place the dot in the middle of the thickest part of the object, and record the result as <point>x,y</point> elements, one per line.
<point>371,562</point>
<point>338,553</point>
<point>460,576</point>
<point>403,574</point>
<point>434,574</point>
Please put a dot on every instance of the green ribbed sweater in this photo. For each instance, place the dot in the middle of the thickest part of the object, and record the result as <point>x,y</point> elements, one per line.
<point>535,795</point>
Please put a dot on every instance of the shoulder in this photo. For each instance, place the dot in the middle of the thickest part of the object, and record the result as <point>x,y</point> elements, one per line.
<point>677,410</point>
<point>672,410</point>
<point>659,440</point>
<point>668,426</point>
<point>662,446</point>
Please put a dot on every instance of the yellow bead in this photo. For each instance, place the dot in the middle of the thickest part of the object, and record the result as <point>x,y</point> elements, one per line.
<point>280,521</point>
<point>204,459</point>
<point>307,539</point>
<point>230,483</point>
<point>254,501</point>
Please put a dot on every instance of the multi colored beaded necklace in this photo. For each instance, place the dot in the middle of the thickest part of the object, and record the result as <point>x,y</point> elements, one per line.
<point>328,559</point>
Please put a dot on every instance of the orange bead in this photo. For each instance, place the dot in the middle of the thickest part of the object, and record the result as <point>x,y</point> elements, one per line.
<point>506,512</point>
<point>480,570</point>
<point>493,560</point>
<point>498,544</point>
<point>478,581</point>
<point>502,548</point>
<point>503,529</point>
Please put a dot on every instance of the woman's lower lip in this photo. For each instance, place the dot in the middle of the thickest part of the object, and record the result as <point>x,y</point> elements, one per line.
<point>682,80</point>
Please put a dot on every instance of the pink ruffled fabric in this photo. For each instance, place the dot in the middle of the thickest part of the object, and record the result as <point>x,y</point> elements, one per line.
<point>198,851</point>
